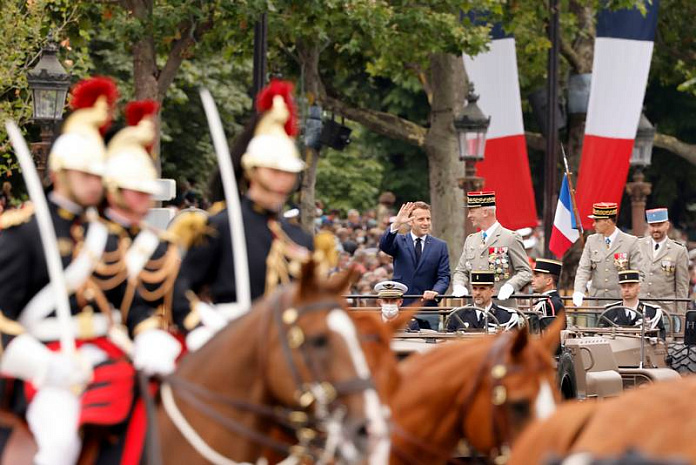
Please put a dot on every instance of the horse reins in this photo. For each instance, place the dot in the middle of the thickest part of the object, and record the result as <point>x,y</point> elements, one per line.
<point>317,391</point>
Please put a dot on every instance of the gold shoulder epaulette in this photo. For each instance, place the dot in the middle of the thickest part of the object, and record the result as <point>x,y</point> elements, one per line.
<point>189,228</point>
<point>115,228</point>
<point>16,217</point>
<point>217,207</point>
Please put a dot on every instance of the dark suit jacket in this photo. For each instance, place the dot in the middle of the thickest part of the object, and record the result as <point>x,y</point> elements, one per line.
<point>432,273</point>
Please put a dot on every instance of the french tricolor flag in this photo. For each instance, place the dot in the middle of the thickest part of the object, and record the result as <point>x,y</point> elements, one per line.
<point>622,53</point>
<point>564,232</point>
<point>505,167</point>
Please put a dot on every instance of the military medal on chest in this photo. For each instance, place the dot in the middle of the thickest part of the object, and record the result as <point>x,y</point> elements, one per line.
<point>498,262</point>
<point>621,261</point>
<point>667,266</point>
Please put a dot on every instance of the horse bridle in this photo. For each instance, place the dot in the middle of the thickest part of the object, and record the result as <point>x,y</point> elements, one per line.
<point>317,391</point>
<point>496,370</point>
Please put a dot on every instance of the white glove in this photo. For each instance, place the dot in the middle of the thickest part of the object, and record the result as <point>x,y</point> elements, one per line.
<point>505,291</point>
<point>28,359</point>
<point>155,352</point>
<point>198,337</point>
<point>460,291</point>
<point>578,298</point>
<point>65,371</point>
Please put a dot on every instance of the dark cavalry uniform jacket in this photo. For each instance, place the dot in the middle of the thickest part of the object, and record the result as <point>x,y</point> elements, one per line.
<point>144,303</point>
<point>23,269</point>
<point>210,263</point>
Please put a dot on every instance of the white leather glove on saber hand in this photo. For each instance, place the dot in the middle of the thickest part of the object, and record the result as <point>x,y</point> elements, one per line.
<point>155,352</point>
<point>505,291</point>
<point>28,359</point>
<point>460,291</point>
<point>578,297</point>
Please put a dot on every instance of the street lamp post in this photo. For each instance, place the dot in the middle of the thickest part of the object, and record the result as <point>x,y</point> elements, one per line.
<point>639,190</point>
<point>471,127</point>
<point>49,84</point>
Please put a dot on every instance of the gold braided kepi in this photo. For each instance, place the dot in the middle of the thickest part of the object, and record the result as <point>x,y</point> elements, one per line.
<point>604,210</point>
<point>480,199</point>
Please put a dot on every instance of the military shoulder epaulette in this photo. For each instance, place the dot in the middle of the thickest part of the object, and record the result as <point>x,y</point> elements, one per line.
<point>16,217</point>
<point>115,228</point>
<point>681,244</point>
<point>216,208</point>
<point>189,228</point>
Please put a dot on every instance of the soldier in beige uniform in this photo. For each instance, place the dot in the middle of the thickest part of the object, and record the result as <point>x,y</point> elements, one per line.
<point>666,263</point>
<point>493,248</point>
<point>606,252</point>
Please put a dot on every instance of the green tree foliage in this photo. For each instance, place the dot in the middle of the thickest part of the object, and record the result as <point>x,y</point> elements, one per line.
<point>350,178</point>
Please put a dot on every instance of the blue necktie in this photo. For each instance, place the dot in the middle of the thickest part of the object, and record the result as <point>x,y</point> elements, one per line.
<point>419,249</point>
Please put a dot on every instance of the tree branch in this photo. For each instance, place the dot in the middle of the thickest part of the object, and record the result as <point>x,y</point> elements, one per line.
<point>190,33</point>
<point>571,56</point>
<point>382,123</point>
<point>537,141</point>
<point>677,147</point>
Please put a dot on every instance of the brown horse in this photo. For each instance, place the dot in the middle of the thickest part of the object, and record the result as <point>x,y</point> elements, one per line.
<point>656,420</point>
<point>459,390</point>
<point>293,360</point>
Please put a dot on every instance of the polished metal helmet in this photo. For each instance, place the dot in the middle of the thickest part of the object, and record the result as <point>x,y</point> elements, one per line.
<point>128,161</point>
<point>272,145</point>
<point>80,147</point>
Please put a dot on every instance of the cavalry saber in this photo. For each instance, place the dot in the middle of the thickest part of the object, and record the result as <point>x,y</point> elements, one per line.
<point>234,210</point>
<point>48,237</point>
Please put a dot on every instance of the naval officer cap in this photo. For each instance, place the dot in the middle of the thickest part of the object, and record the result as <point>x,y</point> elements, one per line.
<point>390,290</point>
<point>656,215</point>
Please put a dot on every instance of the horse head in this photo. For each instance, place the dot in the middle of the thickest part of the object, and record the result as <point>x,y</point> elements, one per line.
<point>515,384</point>
<point>375,338</point>
<point>315,363</point>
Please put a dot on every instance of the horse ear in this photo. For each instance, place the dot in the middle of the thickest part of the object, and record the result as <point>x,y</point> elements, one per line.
<point>307,278</point>
<point>520,342</point>
<point>341,282</point>
<point>401,321</point>
<point>551,338</point>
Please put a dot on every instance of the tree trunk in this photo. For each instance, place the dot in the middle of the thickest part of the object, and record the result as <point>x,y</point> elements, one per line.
<point>309,59</point>
<point>309,181</point>
<point>449,86</point>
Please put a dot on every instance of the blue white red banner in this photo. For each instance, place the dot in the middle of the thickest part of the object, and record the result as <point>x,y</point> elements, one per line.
<point>505,167</point>
<point>564,232</point>
<point>622,53</point>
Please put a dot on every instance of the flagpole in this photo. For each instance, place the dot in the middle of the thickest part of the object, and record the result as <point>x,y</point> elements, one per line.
<point>576,212</point>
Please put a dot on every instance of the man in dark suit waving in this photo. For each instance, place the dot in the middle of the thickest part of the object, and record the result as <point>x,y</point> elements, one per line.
<point>421,261</point>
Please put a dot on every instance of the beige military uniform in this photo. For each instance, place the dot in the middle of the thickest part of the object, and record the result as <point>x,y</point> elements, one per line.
<point>601,265</point>
<point>503,253</point>
<point>666,273</point>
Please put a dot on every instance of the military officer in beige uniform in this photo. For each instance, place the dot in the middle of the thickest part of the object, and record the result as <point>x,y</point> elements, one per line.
<point>666,263</point>
<point>606,252</point>
<point>493,248</point>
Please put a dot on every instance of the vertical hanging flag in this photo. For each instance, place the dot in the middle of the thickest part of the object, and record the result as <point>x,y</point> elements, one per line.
<point>505,167</point>
<point>564,232</point>
<point>622,54</point>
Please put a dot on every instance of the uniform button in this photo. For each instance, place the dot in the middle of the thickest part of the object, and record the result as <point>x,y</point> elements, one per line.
<point>649,284</point>
<point>651,273</point>
<point>606,279</point>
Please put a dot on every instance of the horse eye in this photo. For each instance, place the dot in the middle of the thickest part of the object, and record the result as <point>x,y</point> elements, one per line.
<point>520,408</point>
<point>320,341</point>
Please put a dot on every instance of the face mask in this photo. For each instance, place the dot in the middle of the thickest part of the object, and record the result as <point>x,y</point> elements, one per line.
<point>390,311</point>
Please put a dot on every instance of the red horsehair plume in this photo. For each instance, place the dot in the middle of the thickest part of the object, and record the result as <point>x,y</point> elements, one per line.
<point>136,111</point>
<point>264,102</point>
<point>87,91</point>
